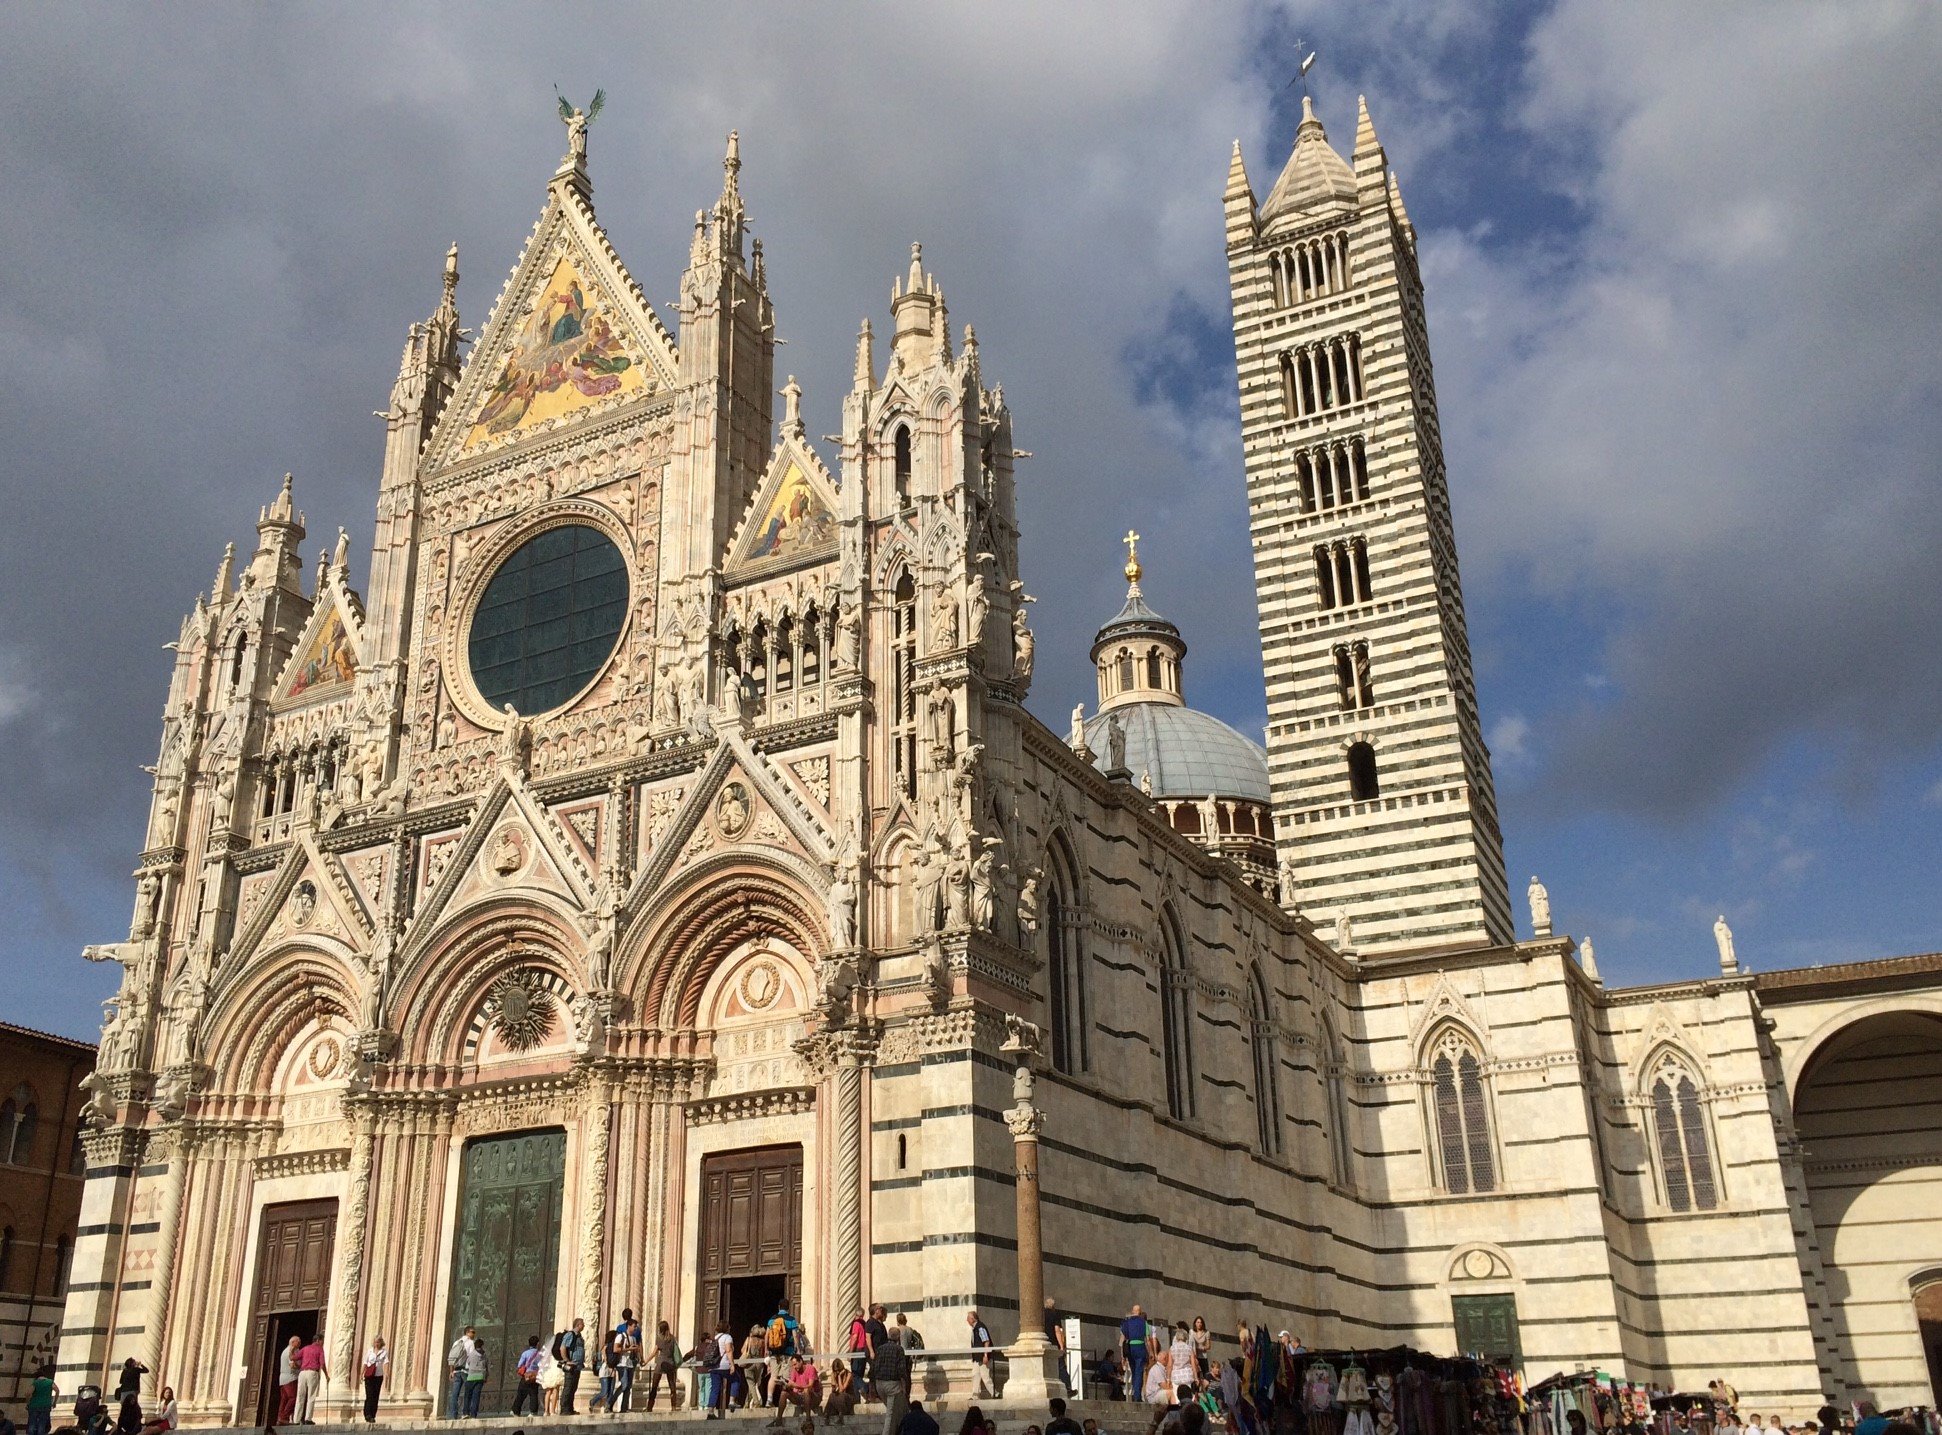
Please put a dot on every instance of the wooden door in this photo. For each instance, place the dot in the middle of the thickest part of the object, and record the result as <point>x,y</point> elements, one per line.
<point>751,1223</point>
<point>293,1257</point>
<point>506,1261</point>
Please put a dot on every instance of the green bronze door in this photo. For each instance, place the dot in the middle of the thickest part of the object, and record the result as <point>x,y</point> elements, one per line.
<point>506,1261</point>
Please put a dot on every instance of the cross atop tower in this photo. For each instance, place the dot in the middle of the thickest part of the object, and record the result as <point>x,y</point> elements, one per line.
<point>1133,569</point>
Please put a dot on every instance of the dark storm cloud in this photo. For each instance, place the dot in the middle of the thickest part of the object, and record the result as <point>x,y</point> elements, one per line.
<point>219,222</point>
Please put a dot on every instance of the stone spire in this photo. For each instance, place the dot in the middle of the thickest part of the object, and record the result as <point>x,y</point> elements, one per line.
<point>917,306</point>
<point>730,214</point>
<point>219,594</point>
<point>279,530</point>
<point>1315,176</point>
<point>866,359</point>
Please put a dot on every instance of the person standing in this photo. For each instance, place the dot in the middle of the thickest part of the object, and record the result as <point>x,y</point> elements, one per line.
<point>981,1362</point>
<point>475,1378</point>
<point>457,1359</point>
<point>527,1396</point>
<point>1055,1333</point>
<point>573,1359</point>
<point>1132,1344</point>
<point>859,1344</point>
<point>312,1372</point>
<point>377,1364</point>
<point>40,1402</point>
<point>724,1339</point>
<point>627,1360</point>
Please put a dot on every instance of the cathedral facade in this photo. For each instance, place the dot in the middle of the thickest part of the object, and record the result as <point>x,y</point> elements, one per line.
<point>650,889</point>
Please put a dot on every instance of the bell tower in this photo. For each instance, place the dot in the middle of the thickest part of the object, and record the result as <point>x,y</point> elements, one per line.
<point>1384,807</point>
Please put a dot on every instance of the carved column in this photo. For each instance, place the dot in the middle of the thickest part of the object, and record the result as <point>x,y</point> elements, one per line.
<point>351,1235</point>
<point>593,1202</point>
<point>180,1149</point>
<point>846,1196</point>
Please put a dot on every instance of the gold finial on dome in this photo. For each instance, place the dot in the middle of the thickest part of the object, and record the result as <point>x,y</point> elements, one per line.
<point>1133,569</point>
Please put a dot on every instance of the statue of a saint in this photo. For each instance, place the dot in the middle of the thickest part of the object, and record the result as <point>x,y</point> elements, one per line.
<point>1115,744</point>
<point>1023,647</point>
<point>1289,887</point>
<point>944,619</point>
<point>840,905</point>
<point>1540,908</point>
<point>1344,933</point>
<point>1076,737</point>
<point>1722,934</point>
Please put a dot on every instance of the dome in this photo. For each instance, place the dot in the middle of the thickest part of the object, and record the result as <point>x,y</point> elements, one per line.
<point>1189,754</point>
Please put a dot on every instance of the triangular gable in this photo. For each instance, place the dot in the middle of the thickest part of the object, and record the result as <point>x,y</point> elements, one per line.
<point>310,896</point>
<point>571,336</point>
<point>738,798</point>
<point>793,518</point>
<point>324,661</point>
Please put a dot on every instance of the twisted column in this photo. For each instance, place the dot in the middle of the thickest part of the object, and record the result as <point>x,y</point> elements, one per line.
<point>847,1203</point>
<point>164,1276</point>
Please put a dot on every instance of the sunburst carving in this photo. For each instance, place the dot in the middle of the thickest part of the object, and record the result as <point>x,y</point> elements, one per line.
<point>520,1008</point>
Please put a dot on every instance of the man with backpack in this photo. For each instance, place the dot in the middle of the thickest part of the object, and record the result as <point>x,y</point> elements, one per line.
<point>783,1341</point>
<point>570,1350</point>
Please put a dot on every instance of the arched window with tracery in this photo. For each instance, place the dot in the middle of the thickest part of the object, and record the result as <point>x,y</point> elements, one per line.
<point>903,686</point>
<point>1461,1112</point>
<point>1267,1089</point>
<point>1679,1128</point>
<point>1176,1019</point>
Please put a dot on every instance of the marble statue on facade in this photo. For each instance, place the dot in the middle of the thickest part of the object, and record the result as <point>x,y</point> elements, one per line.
<point>1729,961</point>
<point>1540,908</point>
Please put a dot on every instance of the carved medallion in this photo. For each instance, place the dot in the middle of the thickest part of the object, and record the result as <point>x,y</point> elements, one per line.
<point>733,810</point>
<point>303,903</point>
<point>508,852</point>
<point>761,985</point>
<point>324,1057</point>
<point>520,1008</point>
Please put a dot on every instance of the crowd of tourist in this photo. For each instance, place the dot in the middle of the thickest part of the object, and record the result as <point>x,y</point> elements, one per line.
<point>1272,1385</point>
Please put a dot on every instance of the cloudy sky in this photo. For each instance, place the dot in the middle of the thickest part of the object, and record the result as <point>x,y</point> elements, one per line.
<point>1684,303</point>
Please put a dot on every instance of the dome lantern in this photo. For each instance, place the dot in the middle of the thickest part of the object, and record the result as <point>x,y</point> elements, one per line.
<point>1137,653</point>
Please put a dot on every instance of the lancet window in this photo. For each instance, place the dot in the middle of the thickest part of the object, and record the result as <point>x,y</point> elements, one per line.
<point>1679,1126</point>
<point>1460,1110</point>
<point>1176,1020</point>
<point>1065,969</point>
<point>19,1120</point>
<point>1267,1091</point>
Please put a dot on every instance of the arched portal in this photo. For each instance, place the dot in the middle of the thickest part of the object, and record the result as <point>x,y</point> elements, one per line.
<point>1868,1111</point>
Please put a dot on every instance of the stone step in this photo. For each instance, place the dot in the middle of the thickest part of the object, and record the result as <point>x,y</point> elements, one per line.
<point>1010,1418</point>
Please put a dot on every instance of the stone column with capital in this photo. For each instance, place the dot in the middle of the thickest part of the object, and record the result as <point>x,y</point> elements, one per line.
<point>1035,1376</point>
<point>351,1237</point>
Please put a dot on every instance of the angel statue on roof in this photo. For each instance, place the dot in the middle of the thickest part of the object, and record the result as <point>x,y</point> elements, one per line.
<point>577,121</point>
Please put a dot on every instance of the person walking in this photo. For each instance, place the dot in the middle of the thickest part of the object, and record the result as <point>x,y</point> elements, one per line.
<point>1132,1344</point>
<point>286,1379</point>
<point>980,1363</point>
<point>859,1344</point>
<point>377,1365</point>
<point>890,1375</point>
<point>312,1372</point>
<point>457,1359</point>
<point>627,1360</point>
<point>527,1396</point>
<point>663,1360</point>
<point>40,1401</point>
<point>754,1368</point>
<point>573,1360</point>
<point>781,1343</point>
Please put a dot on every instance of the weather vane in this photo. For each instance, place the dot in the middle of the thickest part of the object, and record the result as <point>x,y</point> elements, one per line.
<point>1301,71</point>
<point>577,121</point>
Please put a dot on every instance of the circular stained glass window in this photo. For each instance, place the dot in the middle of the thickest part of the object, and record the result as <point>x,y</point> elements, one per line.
<point>549,619</point>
